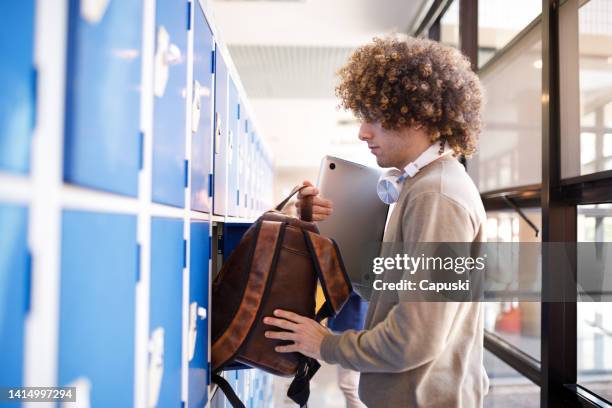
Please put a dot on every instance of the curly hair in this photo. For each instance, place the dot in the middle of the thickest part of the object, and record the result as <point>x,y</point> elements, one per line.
<point>405,83</point>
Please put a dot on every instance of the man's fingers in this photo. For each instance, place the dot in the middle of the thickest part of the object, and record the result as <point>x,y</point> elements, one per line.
<point>308,191</point>
<point>282,323</point>
<point>307,183</point>
<point>318,202</point>
<point>281,335</point>
<point>290,348</point>
<point>294,317</point>
<point>317,209</point>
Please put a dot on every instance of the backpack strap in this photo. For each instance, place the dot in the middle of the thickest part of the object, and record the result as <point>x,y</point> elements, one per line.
<point>305,210</point>
<point>263,260</point>
<point>267,244</point>
<point>228,391</point>
<point>331,273</point>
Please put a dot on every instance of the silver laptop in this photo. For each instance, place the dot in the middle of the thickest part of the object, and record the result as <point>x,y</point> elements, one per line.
<point>358,220</point>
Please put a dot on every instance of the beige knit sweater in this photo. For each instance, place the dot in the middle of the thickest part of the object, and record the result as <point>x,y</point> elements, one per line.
<point>422,354</point>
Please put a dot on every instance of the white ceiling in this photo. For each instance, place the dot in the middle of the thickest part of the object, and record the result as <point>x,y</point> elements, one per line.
<point>287,53</point>
<point>312,22</point>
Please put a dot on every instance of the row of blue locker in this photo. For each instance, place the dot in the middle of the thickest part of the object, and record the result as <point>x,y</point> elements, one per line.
<point>100,267</point>
<point>99,270</point>
<point>230,168</point>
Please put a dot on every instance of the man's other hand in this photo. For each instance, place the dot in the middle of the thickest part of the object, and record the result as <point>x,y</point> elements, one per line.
<point>321,208</point>
<point>306,334</point>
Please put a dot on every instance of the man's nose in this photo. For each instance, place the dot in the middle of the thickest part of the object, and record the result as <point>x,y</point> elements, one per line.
<point>365,133</point>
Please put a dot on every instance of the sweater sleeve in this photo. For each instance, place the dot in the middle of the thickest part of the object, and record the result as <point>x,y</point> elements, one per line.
<point>413,333</point>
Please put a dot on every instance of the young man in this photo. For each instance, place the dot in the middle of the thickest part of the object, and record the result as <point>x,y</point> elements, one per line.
<point>413,97</point>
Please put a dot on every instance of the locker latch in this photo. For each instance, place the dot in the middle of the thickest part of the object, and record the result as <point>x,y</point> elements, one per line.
<point>167,54</point>
<point>217,133</point>
<point>156,366</point>
<point>230,147</point>
<point>195,312</point>
<point>92,11</point>
<point>199,92</point>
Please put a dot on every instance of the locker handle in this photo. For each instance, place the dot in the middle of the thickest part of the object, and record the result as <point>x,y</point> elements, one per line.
<point>166,54</point>
<point>217,132</point>
<point>173,55</point>
<point>196,107</point>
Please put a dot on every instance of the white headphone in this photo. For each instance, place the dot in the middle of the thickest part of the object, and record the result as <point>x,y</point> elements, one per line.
<point>389,183</point>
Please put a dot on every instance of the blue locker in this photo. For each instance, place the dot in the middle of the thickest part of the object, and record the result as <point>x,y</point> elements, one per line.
<point>18,84</point>
<point>220,137</point>
<point>14,292</point>
<point>232,150</point>
<point>103,138</point>
<point>202,115</point>
<point>170,83</point>
<point>165,321</point>
<point>99,270</point>
<point>198,314</point>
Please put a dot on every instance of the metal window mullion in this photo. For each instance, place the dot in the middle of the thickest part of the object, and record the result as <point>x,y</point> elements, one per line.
<point>558,319</point>
<point>468,30</point>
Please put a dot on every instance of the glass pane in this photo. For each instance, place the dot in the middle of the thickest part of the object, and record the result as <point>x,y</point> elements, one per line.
<point>508,388</point>
<point>595,318</point>
<point>499,21</point>
<point>516,322</point>
<point>449,25</point>
<point>510,144</point>
<point>586,77</point>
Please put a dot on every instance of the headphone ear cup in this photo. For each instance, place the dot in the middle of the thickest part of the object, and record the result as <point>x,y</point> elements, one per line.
<point>388,187</point>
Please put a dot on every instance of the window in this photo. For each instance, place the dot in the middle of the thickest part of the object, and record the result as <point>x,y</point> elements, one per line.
<point>586,92</point>
<point>515,321</point>
<point>449,25</point>
<point>499,21</point>
<point>507,387</point>
<point>594,347</point>
<point>510,151</point>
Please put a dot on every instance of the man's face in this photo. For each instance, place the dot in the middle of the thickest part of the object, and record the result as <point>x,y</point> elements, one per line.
<point>389,146</point>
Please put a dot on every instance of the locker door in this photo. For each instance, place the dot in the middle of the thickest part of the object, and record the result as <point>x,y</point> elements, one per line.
<point>99,269</point>
<point>170,84</point>
<point>14,292</point>
<point>202,115</point>
<point>18,84</point>
<point>232,149</point>
<point>103,139</point>
<point>165,320</point>
<point>198,314</point>
<point>220,138</point>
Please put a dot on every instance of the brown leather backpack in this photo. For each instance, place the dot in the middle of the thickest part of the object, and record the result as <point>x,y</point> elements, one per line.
<point>275,266</point>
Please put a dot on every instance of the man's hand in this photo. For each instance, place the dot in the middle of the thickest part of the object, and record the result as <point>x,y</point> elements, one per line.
<point>321,208</point>
<point>306,334</point>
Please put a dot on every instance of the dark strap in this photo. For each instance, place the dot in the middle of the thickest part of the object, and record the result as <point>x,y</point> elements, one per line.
<point>228,391</point>
<point>299,389</point>
<point>305,210</point>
